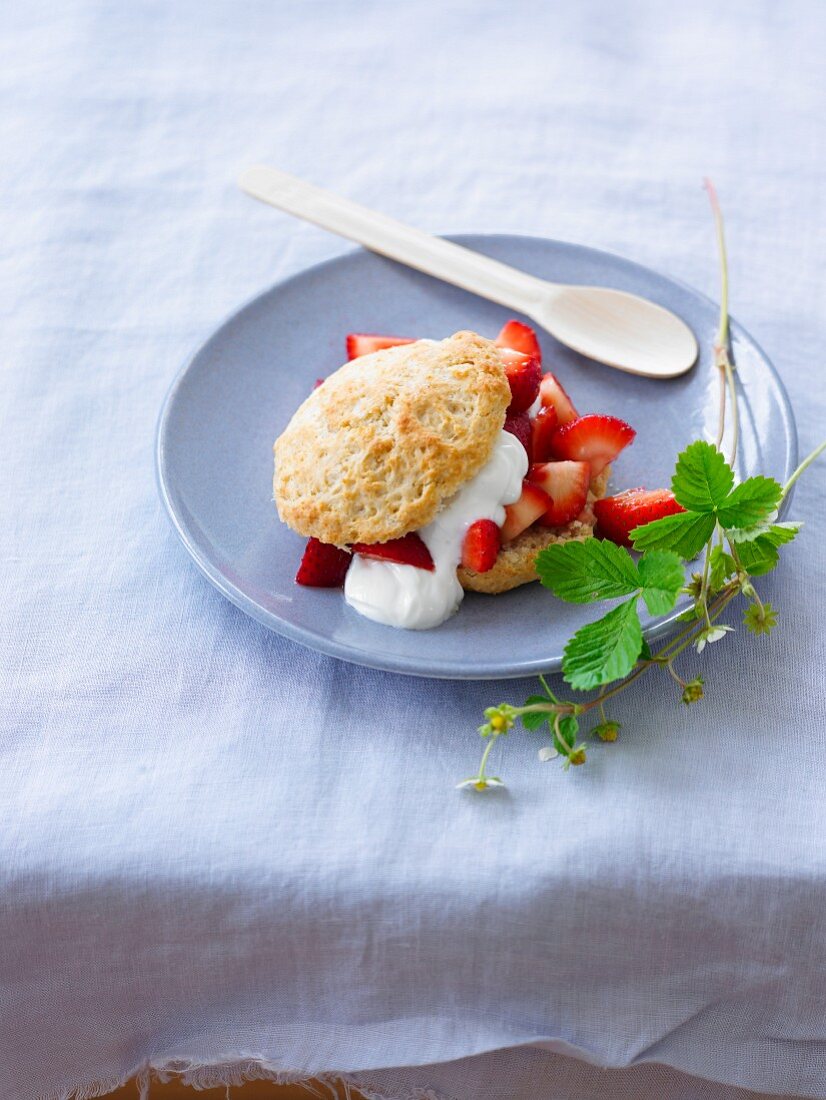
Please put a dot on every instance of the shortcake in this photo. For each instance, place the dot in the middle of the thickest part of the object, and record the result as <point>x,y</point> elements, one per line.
<point>422,468</point>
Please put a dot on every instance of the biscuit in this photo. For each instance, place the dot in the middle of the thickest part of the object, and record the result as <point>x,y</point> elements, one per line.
<point>515,564</point>
<point>374,452</point>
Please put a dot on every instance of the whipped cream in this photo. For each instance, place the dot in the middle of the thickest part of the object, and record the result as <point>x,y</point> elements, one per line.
<point>417,599</point>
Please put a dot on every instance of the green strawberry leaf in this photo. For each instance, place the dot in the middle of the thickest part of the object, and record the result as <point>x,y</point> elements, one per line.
<point>702,479</point>
<point>721,567</point>
<point>750,502</point>
<point>686,534</point>
<point>534,721</point>
<point>605,650</point>
<point>662,576</point>
<point>780,533</point>
<point>581,572</point>
<point>777,533</point>
<point>758,556</point>
<point>568,729</point>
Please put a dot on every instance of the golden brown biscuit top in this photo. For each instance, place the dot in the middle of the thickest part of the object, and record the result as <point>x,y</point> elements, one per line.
<point>376,450</point>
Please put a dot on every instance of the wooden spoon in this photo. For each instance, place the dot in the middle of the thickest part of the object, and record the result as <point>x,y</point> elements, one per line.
<point>611,326</point>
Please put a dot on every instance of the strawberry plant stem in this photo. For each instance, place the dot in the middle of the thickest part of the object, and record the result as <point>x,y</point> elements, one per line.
<point>482,776</point>
<point>703,614</point>
<point>804,465</point>
<point>722,340</point>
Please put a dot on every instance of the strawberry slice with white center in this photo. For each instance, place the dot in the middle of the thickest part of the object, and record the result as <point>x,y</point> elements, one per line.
<point>481,545</point>
<point>543,428</point>
<point>532,504</point>
<point>520,337</point>
<point>323,565</point>
<point>524,375</point>
<point>554,396</point>
<point>519,424</point>
<point>617,516</point>
<point>365,343</point>
<point>595,438</point>
<point>408,550</point>
<point>566,483</point>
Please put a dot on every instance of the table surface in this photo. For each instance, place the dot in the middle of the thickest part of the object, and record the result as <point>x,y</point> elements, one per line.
<point>505,1076</point>
<point>217,847</point>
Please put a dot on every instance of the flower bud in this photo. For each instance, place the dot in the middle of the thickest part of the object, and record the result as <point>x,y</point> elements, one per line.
<point>607,731</point>
<point>693,691</point>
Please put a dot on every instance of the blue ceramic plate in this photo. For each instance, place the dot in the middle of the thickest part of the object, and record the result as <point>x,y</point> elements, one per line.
<point>225,408</point>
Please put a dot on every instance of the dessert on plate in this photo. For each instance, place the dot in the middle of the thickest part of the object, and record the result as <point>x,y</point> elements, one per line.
<point>422,468</point>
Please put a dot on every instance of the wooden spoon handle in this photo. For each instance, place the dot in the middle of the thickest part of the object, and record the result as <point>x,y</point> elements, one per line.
<point>442,259</point>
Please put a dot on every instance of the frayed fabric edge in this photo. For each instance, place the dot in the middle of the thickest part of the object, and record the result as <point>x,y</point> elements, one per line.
<point>234,1073</point>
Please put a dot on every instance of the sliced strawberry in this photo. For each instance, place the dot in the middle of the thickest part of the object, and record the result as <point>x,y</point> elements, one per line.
<point>566,483</point>
<point>552,394</point>
<point>617,516</point>
<point>481,545</point>
<point>364,343</point>
<point>323,565</point>
<point>520,337</point>
<point>533,503</point>
<point>519,424</point>
<point>318,382</point>
<point>594,438</point>
<point>408,550</point>
<point>544,425</point>
<point>524,375</point>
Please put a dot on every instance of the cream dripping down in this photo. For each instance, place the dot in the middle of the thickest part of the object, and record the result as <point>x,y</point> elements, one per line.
<point>417,599</point>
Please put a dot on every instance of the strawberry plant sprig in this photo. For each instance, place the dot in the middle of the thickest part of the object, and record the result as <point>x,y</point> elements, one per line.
<point>733,525</point>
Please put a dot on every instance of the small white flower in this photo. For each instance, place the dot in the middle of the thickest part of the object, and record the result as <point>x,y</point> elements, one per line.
<point>478,784</point>
<point>714,634</point>
<point>546,753</point>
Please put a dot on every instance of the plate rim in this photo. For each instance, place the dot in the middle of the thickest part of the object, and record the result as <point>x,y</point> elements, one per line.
<point>408,666</point>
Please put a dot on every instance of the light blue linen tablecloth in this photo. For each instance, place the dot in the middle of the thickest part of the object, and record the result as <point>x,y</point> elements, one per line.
<point>219,847</point>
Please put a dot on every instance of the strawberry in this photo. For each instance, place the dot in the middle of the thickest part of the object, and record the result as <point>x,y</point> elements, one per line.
<point>552,394</point>
<point>520,337</point>
<point>363,343</point>
<point>524,375</point>
<point>408,550</point>
<point>543,427</point>
<point>323,565</point>
<point>566,483</point>
<point>594,438</point>
<point>617,516</point>
<point>533,503</point>
<point>519,424</point>
<point>481,545</point>
<point>318,382</point>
